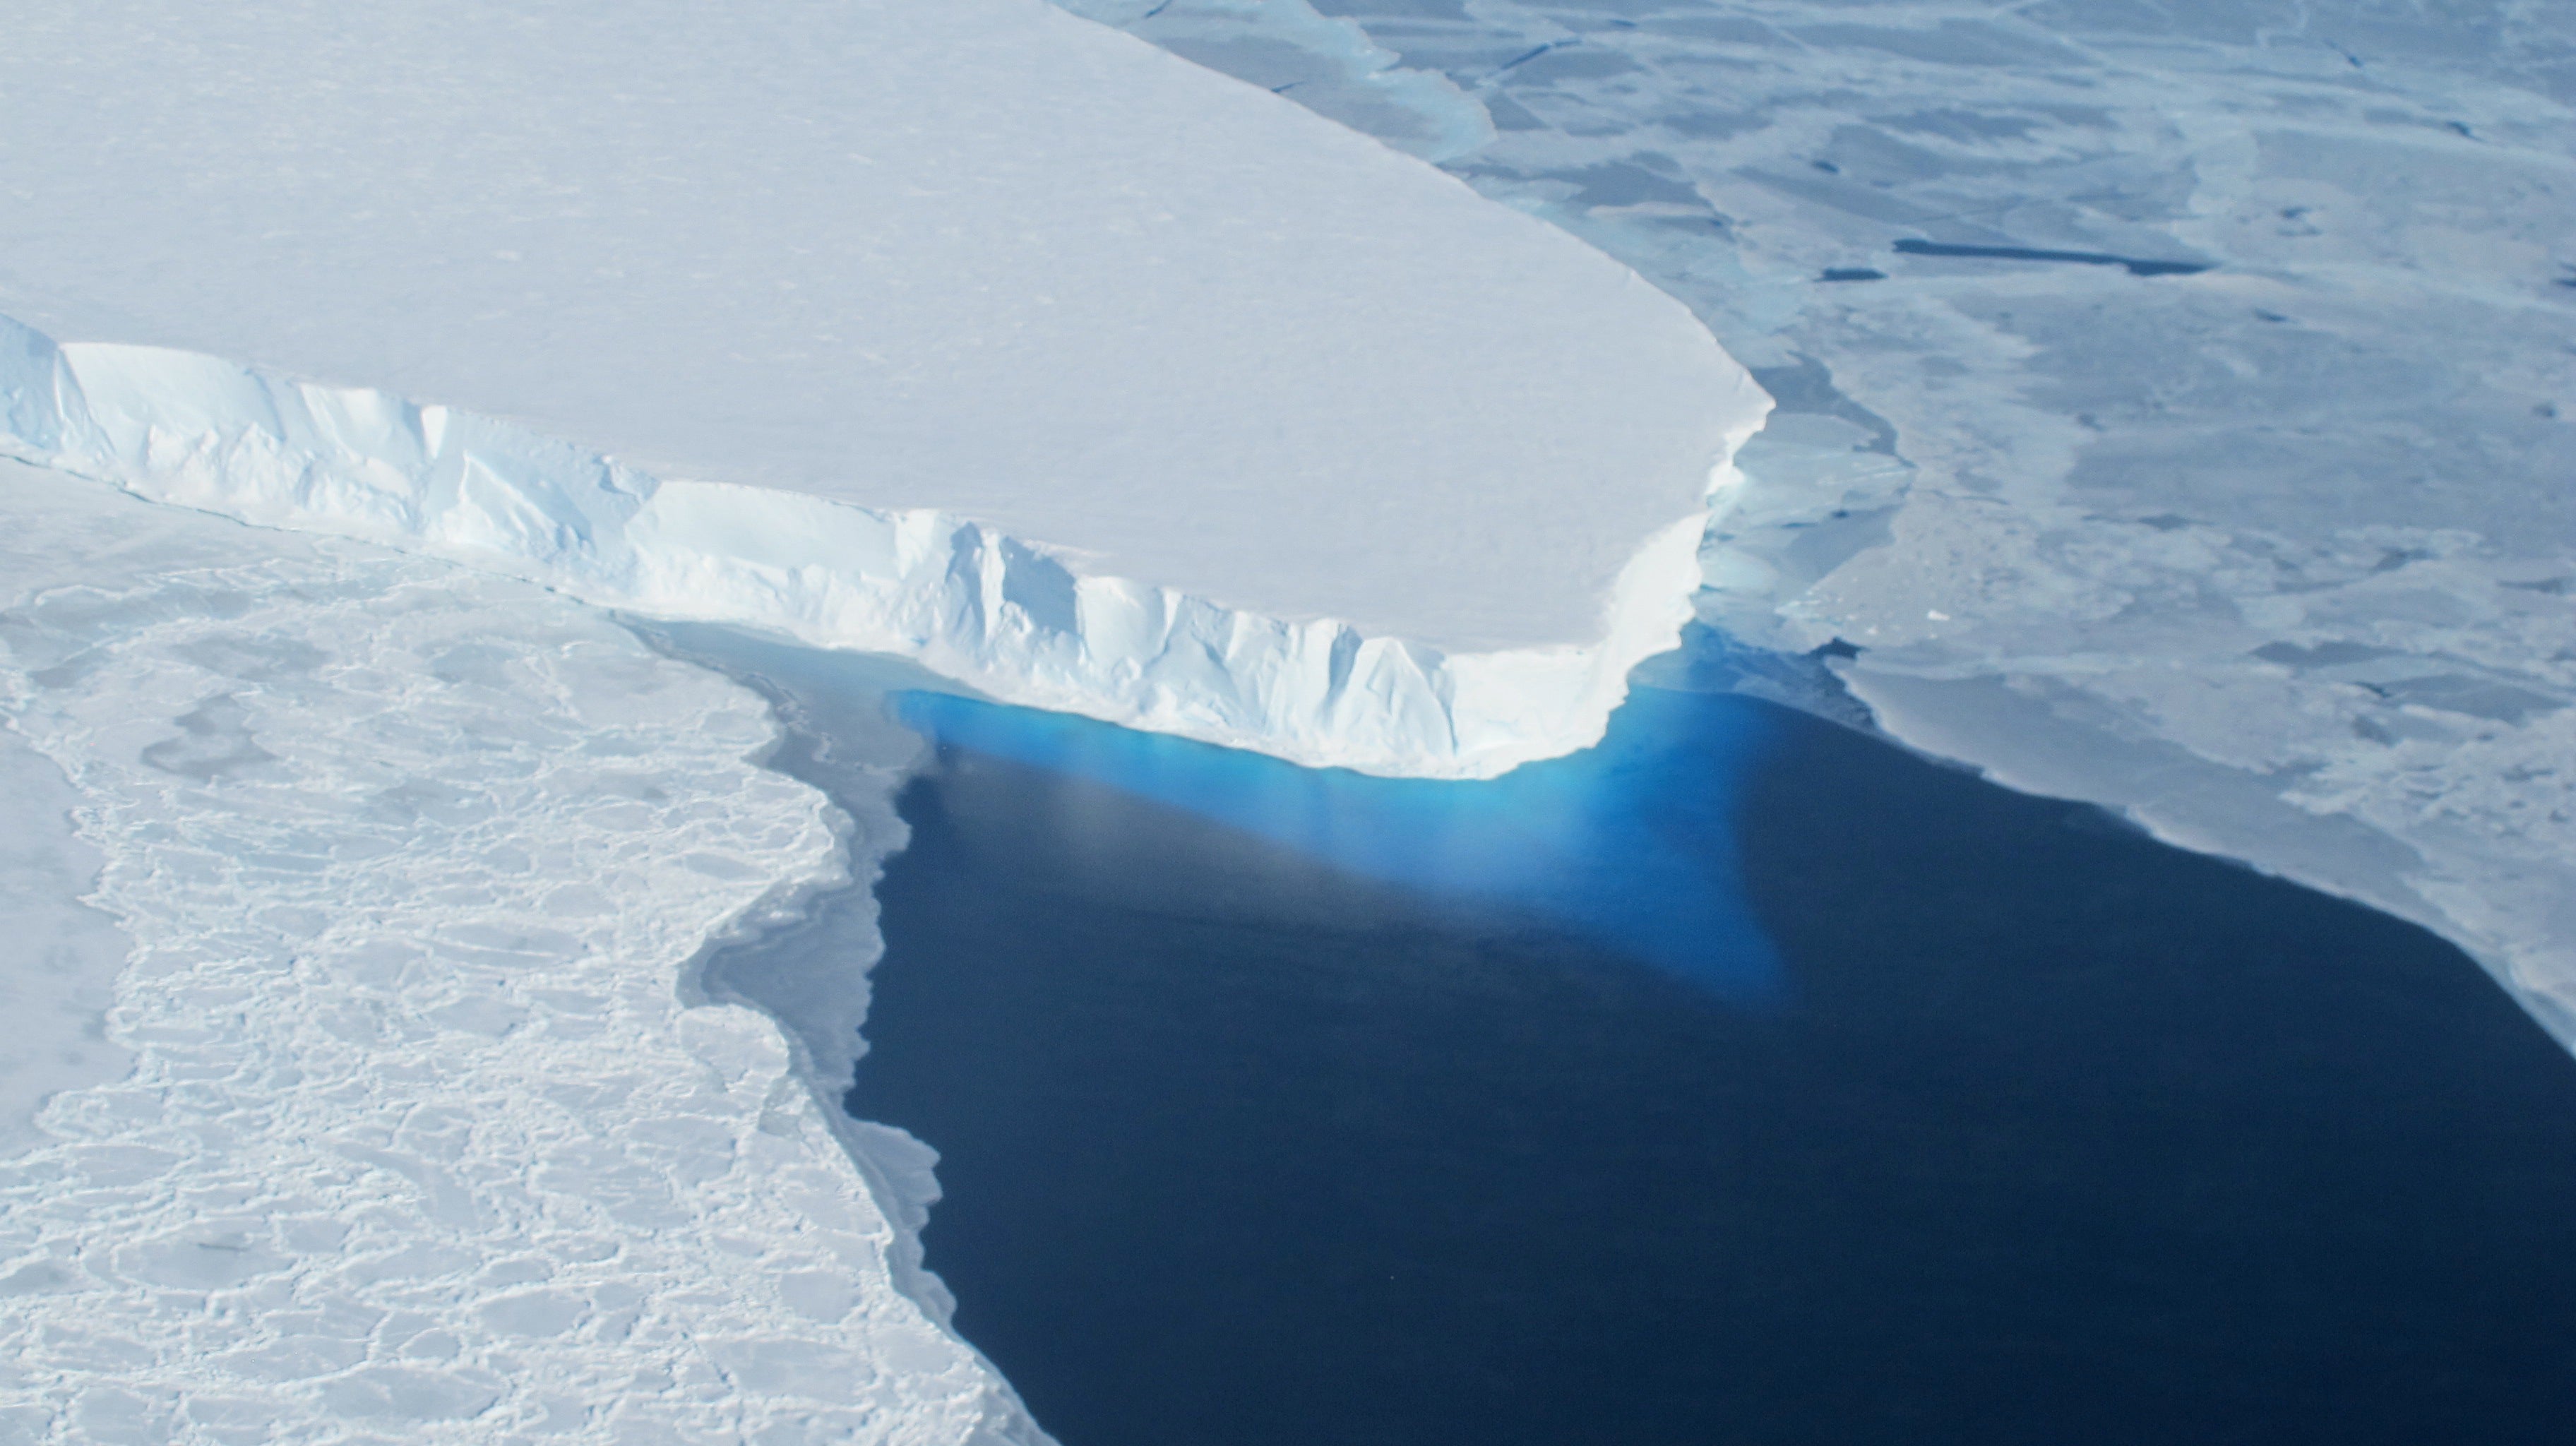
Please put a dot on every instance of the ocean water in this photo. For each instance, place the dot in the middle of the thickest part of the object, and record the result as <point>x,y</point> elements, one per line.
<point>1749,1080</point>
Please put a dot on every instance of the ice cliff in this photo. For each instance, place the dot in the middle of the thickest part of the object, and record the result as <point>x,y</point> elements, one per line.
<point>990,611</point>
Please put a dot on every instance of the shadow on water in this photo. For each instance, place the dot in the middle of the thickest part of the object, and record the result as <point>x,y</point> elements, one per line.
<point>1277,1110</point>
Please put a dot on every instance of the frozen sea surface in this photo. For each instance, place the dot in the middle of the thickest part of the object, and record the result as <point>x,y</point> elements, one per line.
<point>2176,403</point>
<point>57,977</point>
<point>425,1138</point>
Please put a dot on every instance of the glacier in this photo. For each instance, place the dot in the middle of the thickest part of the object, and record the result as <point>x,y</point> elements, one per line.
<point>2263,540</point>
<point>988,334</point>
<point>430,1133</point>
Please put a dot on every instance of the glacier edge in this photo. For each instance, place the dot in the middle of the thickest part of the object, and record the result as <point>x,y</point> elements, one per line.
<point>998,614</point>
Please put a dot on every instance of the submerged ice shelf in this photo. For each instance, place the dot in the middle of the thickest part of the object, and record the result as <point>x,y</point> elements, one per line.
<point>987,334</point>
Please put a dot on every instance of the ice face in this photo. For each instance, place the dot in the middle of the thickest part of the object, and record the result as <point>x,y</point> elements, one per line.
<point>422,1137</point>
<point>2175,402</point>
<point>972,604</point>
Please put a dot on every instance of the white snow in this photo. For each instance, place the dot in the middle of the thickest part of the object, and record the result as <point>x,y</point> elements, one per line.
<point>2279,558</point>
<point>423,1140</point>
<point>61,957</point>
<point>1361,467</point>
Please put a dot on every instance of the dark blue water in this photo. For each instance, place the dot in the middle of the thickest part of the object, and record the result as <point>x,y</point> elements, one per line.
<point>1296,1108</point>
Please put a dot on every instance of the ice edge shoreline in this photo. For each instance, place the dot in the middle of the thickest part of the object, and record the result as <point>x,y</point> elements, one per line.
<point>970,604</point>
<point>889,1167</point>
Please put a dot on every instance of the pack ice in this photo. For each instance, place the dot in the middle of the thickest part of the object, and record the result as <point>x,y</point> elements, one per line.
<point>971,331</point>
<point>424,1133</point>
<point>2175,401</point>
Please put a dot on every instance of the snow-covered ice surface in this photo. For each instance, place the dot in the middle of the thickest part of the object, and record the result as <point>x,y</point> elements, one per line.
<point>2232,485</point>
<point>62,956</point>
<point>425,1139</point>
<point>1088,376</point>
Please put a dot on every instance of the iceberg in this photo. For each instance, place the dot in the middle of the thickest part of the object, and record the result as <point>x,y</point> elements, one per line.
<point>973,331</point>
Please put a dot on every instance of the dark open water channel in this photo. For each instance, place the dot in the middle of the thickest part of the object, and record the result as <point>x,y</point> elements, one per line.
<point>1807,1093</point>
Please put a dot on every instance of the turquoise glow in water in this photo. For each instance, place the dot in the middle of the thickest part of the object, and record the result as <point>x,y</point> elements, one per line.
<point>1599,844</point>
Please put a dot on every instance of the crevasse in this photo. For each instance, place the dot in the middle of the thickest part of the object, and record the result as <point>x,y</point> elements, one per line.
<point>997,614</point>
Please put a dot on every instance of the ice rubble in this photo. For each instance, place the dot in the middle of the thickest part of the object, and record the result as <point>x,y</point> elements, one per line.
<point>1090,377</point>
<point>2278,557</point>
<point>423,1142</point>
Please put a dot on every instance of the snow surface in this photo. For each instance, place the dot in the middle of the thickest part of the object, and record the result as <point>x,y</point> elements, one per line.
<point>62,956</point>
<point>2278,556</point>
<point>424,1141</point>
<point>1393,476</point>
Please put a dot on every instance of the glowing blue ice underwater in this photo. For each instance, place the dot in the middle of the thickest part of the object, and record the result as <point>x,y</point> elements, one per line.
<point>1630,844</point>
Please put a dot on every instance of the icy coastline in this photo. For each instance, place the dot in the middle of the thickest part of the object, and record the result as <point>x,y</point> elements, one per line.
<point>989,339</point>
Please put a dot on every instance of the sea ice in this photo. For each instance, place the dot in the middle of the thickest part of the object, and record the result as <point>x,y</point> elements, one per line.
<point>1205,414</point>
<point>2265,539</point>
<point>425,1139</point>
<point>62,955</point>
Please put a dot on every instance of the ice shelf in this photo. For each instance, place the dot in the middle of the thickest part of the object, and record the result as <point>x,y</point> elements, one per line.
<point>1128,388</point>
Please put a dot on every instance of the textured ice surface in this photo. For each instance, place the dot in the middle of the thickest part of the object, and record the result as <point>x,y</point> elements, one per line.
<point>423,1142</point>
<point>977,257</point>
<point>2272,545</point>
<point>61,955</point>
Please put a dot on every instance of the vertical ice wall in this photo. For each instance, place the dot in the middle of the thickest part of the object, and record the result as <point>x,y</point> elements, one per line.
<point>970,603</point>
<point>1181,406</point>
